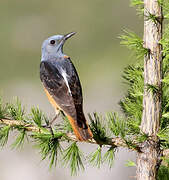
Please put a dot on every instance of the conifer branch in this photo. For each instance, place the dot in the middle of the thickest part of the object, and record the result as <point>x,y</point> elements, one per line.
<point>115,142</point>
<point>27,127</point>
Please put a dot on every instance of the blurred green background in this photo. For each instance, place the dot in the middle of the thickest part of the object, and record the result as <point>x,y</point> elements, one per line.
<point>95,51</point>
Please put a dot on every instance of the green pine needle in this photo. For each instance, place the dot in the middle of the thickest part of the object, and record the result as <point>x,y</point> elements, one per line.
<point>164,137</point>
<point>137,2</point>
<point>19,140</point>
<point>166,115</point>
<point>96,158</point>
<point>165,86</point>
<point>139,6</point>
<point>131,104</point>
<point>133,74</point>
<point>134,43</point>
<point>166,80</point>
<point>55,147</point>
<point>49,146</point>
<point>3,109</point>
<point>73,158</point>
<point>37,116</point>
<point>109,156</point>
<point>130,143</point>
<point>133,126</point>
<point>165,43</point>
<point>153,89</point>
<point>165,9</point>
<point>164,134</point>
<point>97,128</point>
<point>16,111</point>
<point>141,137</point>
<point>165,6</point>
<point>152,17</point>
<point>132,108</point>
<point>116,125</point>
<point>161,2</point>
<point>4,133</point>
<point>163,173</point>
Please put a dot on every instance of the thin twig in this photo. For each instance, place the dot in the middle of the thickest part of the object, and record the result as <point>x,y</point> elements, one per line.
<point>28,127</point>
<point>116,142</point>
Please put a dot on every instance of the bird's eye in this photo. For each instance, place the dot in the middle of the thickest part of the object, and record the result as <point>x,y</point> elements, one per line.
<point>52,42</point>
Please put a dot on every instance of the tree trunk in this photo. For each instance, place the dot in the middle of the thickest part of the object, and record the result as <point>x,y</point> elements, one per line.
<point>148,159</point>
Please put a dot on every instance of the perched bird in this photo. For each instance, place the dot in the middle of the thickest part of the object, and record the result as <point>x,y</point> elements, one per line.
<point>62,85</point>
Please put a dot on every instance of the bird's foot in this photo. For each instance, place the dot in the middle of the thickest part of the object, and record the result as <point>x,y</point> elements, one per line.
<point>49,124</point>
<point>52,121</point>
<point>50,129</point>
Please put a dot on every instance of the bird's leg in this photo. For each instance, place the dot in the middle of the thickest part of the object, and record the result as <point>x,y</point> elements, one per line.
<point>56,116</point>
<point>52,121</point>
<point>57,111</point>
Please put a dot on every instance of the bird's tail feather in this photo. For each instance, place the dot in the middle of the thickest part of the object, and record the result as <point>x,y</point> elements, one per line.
<point>82,134</point>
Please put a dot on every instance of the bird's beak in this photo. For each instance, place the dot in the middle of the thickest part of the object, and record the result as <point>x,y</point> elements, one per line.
<point>67,36</point>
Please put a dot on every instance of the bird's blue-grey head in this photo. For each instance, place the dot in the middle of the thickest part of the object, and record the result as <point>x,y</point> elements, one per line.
<point>53,46</point>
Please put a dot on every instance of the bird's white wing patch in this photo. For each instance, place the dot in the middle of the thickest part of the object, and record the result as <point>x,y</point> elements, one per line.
<point>65,78</point>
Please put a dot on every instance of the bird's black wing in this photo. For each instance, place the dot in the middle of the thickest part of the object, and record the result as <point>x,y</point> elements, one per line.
<point>55,84</point>
<point>76,91</point>
<point>74,82</point>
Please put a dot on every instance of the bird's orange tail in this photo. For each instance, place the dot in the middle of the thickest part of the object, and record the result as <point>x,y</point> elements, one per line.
<point>82,134</point>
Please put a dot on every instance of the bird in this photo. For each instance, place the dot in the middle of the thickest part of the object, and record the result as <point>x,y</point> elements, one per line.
<point>62,84</point>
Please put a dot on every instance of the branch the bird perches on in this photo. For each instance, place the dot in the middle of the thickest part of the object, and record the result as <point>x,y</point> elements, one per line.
<point>119,142</point>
